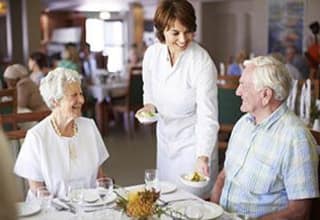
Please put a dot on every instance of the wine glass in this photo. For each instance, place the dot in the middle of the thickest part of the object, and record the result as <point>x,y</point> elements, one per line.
<point>44,197</point>
<point>151,179</point>
<point>104,186</point>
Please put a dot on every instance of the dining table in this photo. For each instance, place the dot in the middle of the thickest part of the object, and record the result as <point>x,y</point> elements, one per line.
<point>112,212</point>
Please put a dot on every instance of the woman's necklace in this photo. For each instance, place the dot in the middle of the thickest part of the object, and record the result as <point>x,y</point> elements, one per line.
<point>72,147</point>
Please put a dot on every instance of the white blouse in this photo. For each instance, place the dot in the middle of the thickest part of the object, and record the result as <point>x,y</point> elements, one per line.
<point>57,161</point>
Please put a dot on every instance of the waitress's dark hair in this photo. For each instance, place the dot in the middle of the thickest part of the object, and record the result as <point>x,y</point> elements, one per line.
<point>170,10</point>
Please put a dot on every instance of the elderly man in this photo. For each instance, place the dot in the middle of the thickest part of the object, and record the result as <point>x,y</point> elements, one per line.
<point>270,171</point>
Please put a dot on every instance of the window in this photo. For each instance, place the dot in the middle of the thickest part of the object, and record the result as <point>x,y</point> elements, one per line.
<point>107,36</point>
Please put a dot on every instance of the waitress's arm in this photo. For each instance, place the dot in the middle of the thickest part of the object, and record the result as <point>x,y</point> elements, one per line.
<point>207,126</point>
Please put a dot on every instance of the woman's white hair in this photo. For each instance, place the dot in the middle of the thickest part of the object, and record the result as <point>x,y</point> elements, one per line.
<point>52,86</point>
<point>270,72</point>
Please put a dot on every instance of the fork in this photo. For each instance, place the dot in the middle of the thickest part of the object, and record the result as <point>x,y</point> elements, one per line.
<point>165,203</point>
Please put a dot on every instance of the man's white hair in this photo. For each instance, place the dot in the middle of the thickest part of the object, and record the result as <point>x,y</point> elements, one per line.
<point>271,73</point>
<point>52,86</point>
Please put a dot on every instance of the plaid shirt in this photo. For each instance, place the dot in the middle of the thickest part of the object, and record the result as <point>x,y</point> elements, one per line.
<point>269,164</point>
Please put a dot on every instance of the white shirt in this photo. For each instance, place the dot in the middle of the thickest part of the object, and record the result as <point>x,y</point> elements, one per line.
<point>45,156</point>
<point>185,96</point>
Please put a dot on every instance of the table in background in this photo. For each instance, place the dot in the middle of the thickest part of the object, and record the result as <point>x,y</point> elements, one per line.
<point>102,93</point>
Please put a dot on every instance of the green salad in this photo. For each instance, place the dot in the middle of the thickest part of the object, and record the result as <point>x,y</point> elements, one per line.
<point>147,114</point>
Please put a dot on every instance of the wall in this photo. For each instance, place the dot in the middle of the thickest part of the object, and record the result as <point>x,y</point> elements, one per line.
<point>231,25</point>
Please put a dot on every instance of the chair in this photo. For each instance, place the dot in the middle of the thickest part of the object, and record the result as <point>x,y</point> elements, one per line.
<point>294,98</point>
<point>229,107</point>
<point>8,101</point>
<point>15,119</point>
<point>133,99</point>
<point>315,208</point>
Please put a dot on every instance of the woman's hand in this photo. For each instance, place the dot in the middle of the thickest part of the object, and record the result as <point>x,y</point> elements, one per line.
<point>202,165</point>
<point>147,108</point>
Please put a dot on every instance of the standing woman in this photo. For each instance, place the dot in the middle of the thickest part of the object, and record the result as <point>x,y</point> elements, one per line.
<point>180,83</point>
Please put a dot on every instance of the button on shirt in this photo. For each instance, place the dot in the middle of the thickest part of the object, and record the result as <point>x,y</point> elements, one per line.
<point>268,164</point>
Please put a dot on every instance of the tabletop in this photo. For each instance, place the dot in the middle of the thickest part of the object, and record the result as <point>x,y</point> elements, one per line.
<point>101,91</point>
<point>109,212</point>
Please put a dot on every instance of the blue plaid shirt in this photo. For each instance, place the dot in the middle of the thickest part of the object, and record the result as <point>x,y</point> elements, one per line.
<point>268,164</point>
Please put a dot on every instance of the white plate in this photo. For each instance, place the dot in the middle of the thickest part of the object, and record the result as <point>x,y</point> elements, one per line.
<point>184,179</point>
<point>166,187</point>
<point>100,202</point>
<point>90,195</point>
<point>27,209</point>
<point>147,120</point>
<point>207,209</point>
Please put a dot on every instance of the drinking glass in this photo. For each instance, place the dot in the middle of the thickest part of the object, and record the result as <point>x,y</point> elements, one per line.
<point>75,192</point>
<point>151,179</point>
<point>44,197</point>
<point>104,187</point>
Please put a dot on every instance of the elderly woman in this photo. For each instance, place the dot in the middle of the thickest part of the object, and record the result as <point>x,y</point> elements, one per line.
<point>28,95</point>
<point>64,147</point>
<point>180,83</point>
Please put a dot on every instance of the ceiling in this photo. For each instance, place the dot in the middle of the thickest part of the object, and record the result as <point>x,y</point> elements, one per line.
<point>92,5</point>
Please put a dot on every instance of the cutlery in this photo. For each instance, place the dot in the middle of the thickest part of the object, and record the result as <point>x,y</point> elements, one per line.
<point>58,207</point>
<point>67,205</point>
<point>165,203</point>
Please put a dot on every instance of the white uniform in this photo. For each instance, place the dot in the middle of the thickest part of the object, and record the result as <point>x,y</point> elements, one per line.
<point>185,96</point>
<point>46,157</point>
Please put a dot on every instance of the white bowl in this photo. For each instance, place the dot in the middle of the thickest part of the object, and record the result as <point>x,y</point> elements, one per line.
<point>185,180</point>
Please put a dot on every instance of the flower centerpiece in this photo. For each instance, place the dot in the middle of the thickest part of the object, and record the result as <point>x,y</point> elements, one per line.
<point>140,204</point>
<point>143,204</point>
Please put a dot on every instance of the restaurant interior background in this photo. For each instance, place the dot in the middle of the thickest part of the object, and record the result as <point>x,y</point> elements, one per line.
<point>224,26</point>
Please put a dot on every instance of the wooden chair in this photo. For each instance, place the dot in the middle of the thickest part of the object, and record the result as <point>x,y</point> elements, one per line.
<point>315,209</point>
<point>8,101</point>
<point>229,107</point>
<point>133,99</point>
<point>14,119</point>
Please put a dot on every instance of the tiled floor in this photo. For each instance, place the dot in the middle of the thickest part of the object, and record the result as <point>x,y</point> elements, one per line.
<point>130,156</point>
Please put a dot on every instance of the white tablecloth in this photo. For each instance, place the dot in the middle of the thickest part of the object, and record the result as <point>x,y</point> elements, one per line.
<point>101,91</point>
<point>113,214</point>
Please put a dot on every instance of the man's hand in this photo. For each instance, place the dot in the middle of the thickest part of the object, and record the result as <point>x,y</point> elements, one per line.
<point>202,165</point>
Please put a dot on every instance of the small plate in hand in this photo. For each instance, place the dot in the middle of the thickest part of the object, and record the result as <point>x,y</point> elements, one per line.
<point>187,180</point>
<point>147,117</point>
